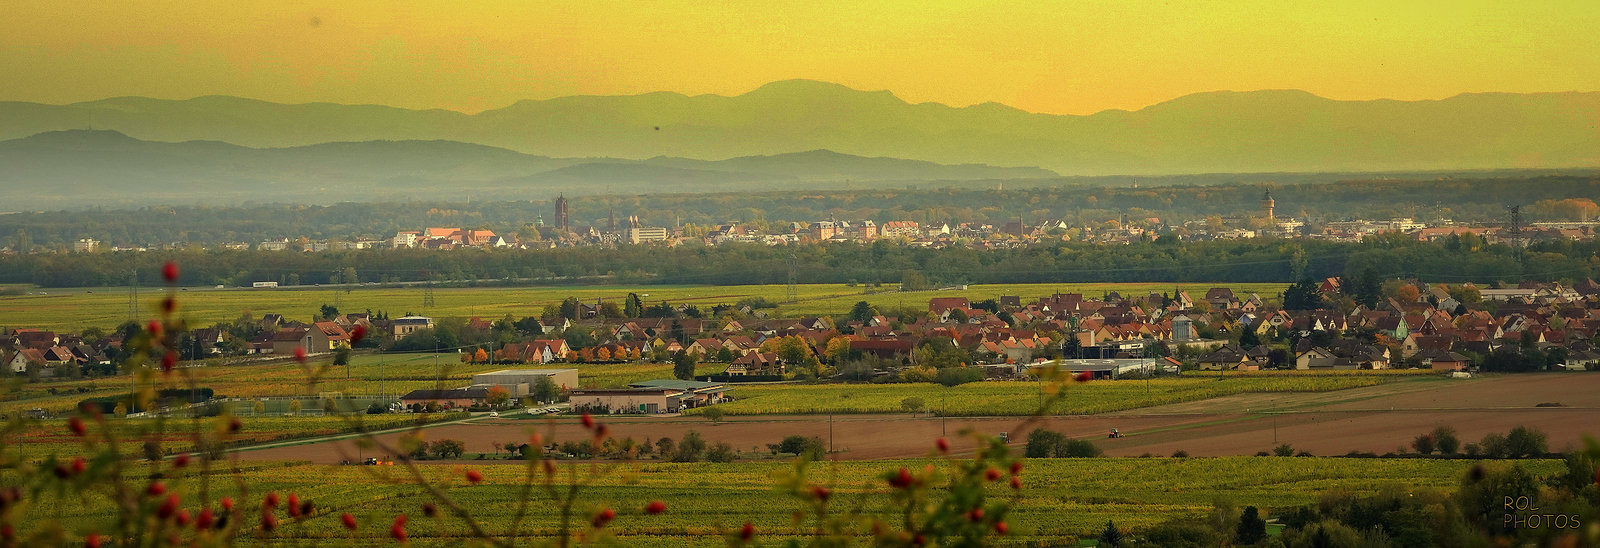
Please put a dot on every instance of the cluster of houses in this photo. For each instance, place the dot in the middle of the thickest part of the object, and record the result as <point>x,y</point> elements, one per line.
<point>1428,328</point>
<point>43,351</point>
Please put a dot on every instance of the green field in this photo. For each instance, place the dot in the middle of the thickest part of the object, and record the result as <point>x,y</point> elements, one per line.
<point>1018,398</point>
<point>1061,498</point>
<point>71,310</point>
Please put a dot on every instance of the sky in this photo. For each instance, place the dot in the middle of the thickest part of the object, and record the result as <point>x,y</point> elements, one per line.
<point>1074,57</point>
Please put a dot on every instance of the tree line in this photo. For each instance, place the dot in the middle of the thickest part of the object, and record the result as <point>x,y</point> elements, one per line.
<point>1161,260</point>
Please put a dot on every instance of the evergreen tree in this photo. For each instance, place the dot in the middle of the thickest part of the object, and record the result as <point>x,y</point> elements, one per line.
<point>1303,295</point>
<point>1111,536</point>
<point>1248,339</point>
<point>1251,527</point>
<point>683,366</point>
<point>633,307</point>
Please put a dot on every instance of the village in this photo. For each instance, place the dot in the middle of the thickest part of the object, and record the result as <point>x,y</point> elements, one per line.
<point>954,340</point>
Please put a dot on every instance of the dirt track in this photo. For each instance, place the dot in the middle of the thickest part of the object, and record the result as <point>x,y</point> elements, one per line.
<point>1375,419</point>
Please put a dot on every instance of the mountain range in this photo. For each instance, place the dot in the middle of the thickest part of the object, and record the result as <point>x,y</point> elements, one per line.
<point>105,167</point>
<point>1225,131</point>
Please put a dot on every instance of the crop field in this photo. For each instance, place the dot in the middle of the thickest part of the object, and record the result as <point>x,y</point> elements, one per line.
<point>1061,498</point>
<point>44,438</point>
<point>1017,398</point>
<point>368,376</point>
<point>71,310</point>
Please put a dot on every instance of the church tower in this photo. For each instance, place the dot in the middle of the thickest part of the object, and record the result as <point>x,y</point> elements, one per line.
<point>561,213</point>
<point>1266,206</point>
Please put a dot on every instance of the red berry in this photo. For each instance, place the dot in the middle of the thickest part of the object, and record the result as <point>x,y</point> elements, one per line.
<point>1083,377</point>
<point>360,332</point>
<point>600,430</point>
<point>429,510</point>
<point>205,520</point>
<point>183,518</point>
<point>235,425</point>
<point>181,460</point>
<point>227,503</point>
<point>975,515</point>
<point>268,521</point>
<point>1000,528</point>
<point>156,489</point>
<point>588,421</point>
<point>943,445</point>
<point>474,476</point>
<point>398,530</point>
<point>1016,467</point>
<point>170,271</point>
<point>1016,482</point>
<point>991,474</point>
<point>61,471</point>
<point>655,507</point>
<point>821,493</point>
<point>77,427</point>
<point>300,354</point>
<point>169,360</point>
<point>747,532</point>
<point>603,517</point>
<point>271,500</point>
<point>154,329</point>
<point>79,465</point>
<point>901,479</point>
<point>349,521</point>
<point>294,505</point>
<point>168,507</point>
<point>91,541</point>
<point>168,305</point>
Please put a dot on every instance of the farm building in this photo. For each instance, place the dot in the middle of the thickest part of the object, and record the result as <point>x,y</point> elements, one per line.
<point>452,397</point>
<point>521,381</point>
<point>658,396</point>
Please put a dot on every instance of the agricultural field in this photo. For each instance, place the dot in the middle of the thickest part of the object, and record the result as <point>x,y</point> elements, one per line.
<point>44,438</point>
<point>1062,499</point>
<point>1018,398</point>
<point>71,310</point>
<point>367,376</point>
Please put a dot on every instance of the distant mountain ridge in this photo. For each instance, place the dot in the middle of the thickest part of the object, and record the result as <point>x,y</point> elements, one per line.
<point>88,167</point>
<point>1225,131</point>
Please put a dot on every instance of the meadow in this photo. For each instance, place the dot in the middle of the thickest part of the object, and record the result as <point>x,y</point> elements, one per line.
<point>1061,499</point>
<point>71,310</point>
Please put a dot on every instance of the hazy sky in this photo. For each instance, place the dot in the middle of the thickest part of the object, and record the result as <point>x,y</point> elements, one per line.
<point>1062,57</point>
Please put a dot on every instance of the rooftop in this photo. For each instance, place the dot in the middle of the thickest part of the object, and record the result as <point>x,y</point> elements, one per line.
<point>527,372</point>
<point>676,384</point>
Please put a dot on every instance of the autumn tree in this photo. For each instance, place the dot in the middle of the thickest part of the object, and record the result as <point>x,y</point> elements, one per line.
<point>498,397</point>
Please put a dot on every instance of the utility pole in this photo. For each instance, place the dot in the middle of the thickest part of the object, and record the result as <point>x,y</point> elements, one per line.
<point>133,295</point>
<point>830,432</point>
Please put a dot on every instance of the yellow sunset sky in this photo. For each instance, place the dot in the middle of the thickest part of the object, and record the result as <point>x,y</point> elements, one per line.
<point>1056,57</point>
